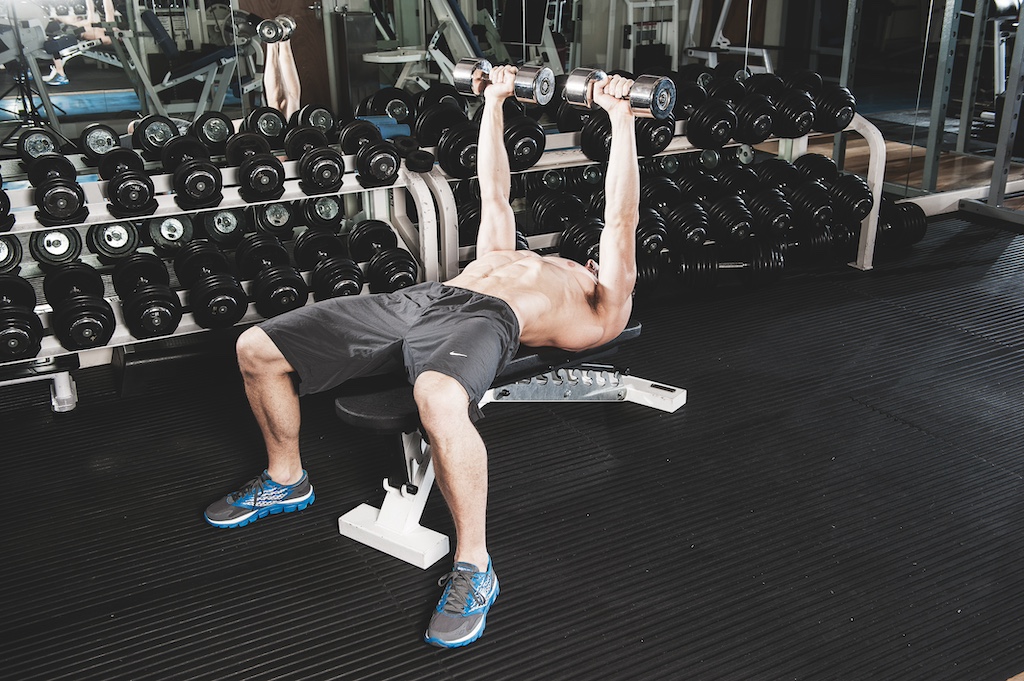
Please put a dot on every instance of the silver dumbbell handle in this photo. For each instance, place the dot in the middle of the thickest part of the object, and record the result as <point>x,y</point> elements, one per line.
<point>650,96</point>
<point>533,84</point>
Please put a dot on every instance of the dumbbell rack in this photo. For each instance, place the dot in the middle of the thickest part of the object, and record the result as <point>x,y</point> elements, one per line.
<point>434,240</point>
<point>54,362</point>
<point>563,151</point>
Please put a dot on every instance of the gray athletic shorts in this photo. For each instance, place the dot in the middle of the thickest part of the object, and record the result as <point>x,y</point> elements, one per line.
<point>428,327</point>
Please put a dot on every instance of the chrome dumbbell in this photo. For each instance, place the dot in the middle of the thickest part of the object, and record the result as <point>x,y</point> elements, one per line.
<point>276,29</point>
<point>650,96</point>
<point>533,84</point>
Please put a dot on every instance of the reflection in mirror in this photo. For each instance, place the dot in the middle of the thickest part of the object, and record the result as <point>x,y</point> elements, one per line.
<point>69,63</point>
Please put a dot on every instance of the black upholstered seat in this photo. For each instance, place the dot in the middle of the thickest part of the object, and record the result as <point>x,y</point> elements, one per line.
<point>385,403</point>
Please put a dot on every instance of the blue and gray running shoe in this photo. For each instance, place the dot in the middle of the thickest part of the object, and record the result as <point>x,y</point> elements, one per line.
<point>258,499</point>
<point>461,614</point>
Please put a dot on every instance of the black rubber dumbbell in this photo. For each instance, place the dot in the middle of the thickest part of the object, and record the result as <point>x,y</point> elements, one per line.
<point>756,264</point>
<point>582,241</point>
<point>152,133</point>
<point>96,139</point>
<point>324,213</point>
<point>390,268</point>
<point>301,139</point>
<point>277,286</point>
<point>687,225</point>
<point>169,234</point>
<point>10,254</point>
<point>112,241</point>
<point>7,218</point>
<point>277,219</point>
<point>225,227</point>
<point>213,129</point>
<point>149,307</point>
<point>524,141</point>
<point>21,331</point>
<point>556,211</point>
<point>316,116</point>
<point>260,174</point>
<point>36,141</point>
<point>58,196</point>
<point>711,125</point>
<point>215,297</point>
<point>130,189</point>
<point>393,102</point>
<point>196,181</point>
<point>52,248</point>
<point>321,168</point>
<point>266,122</point>
<point>377,161</point>
<point>334,274</point>
<point>81,317</point>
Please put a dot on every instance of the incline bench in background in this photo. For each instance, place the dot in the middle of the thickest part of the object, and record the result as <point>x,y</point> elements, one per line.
<point>533,375</point>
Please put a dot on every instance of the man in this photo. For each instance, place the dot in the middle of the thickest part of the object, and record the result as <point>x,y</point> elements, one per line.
<point>452,340</point>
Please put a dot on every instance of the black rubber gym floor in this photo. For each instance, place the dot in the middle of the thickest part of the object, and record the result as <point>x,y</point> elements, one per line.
<point>839,499</point>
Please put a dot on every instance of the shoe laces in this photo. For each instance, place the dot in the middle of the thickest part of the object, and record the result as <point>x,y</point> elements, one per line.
<point>461,588</point>
<point>256,486</point>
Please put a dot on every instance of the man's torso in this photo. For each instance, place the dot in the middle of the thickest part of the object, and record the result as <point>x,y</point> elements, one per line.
<point>557,301</point>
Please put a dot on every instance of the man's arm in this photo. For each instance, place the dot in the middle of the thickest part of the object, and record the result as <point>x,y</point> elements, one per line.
<point>617,273</point>
<point>497,220</point>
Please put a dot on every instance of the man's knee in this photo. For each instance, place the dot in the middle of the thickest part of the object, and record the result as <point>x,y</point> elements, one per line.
<point>258,354</point>
<point>439,397</point>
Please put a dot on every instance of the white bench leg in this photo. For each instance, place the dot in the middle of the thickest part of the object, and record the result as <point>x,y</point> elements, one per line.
<point>395,527</point>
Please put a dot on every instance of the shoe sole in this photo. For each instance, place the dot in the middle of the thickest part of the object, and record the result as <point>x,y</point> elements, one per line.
<point>472,637</point>
<point>263,513</point>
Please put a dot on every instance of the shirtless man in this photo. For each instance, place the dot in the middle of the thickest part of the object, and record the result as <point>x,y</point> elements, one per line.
<point>452,339</point>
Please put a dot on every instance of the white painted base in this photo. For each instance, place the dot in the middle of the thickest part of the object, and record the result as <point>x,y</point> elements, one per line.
<point>418,546</point>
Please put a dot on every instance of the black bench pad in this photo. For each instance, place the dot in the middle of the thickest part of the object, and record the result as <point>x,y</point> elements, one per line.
<point>385,403</point>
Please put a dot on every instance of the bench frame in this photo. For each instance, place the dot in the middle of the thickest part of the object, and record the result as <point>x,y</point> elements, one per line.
<point>395,528</point>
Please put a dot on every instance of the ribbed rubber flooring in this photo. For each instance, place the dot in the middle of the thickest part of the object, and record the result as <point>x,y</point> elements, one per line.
<point>841,498</point>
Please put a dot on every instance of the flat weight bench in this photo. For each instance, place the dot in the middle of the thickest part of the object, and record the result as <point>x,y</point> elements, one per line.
<point>534,375</point>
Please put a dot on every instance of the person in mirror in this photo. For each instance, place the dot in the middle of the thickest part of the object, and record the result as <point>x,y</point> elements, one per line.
<point>451,339</point>
<point>85,27</point>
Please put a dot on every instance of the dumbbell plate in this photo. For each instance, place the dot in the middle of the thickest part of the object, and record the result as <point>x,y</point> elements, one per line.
<point>369,237</point>
<point>153,133</point>
<point>55,246</point>
<point>72,279</point>
<point>83,322</point>
<point>225,226</point>
<point>323,212</point>
<point>354,134</point>
<point>97,139</point>
<point>10,253</point>
<point>168,234</point>
<point>36,141</point>
<point>244,144</point>
<point>17,291</point>
<point>152,311</point>
<point>313,246</point>
<point>300,140</point>
<point>113,240</point>
<point>278,290</point>
<point>136,268</point>
<point>195,257</point>
<point>118,160</point>
<point>213,129</point>
<point>21,333</point>
<point>217,301</point>
<point>181,149</point>
<point>46,166</point>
